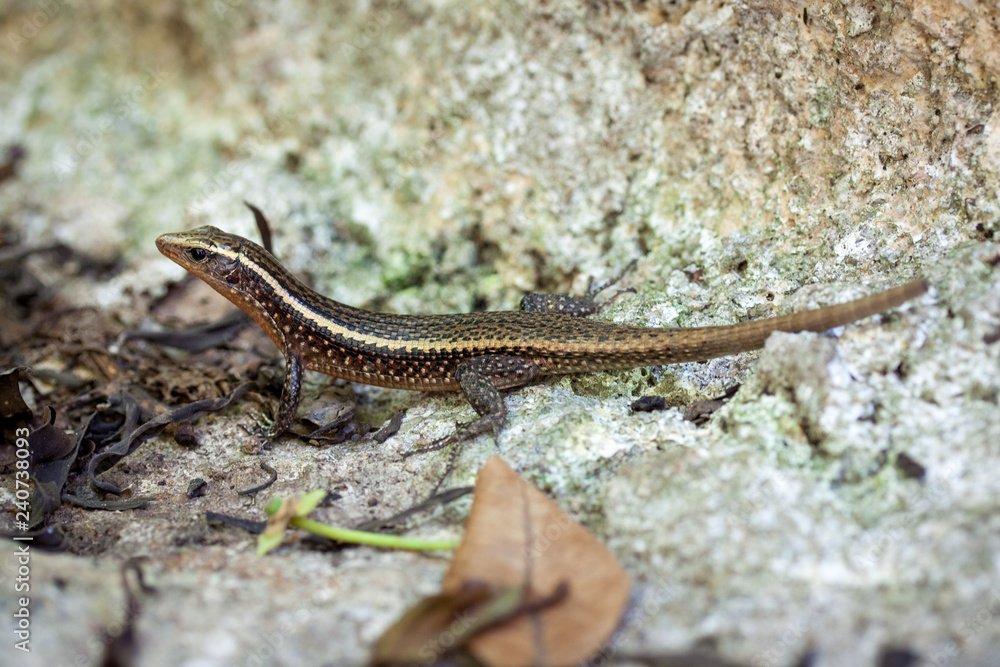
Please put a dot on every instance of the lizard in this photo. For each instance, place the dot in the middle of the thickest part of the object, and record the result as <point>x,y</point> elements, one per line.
<point>480,353</point>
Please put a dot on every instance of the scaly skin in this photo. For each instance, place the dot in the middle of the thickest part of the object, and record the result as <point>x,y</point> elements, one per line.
<point>479,353</point>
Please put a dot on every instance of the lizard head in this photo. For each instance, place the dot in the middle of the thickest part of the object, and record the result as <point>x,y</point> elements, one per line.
<point>207,252</point>
<point>236,268</point>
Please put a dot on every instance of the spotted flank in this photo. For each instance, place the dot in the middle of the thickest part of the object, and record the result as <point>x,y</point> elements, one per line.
<point>479,353</point>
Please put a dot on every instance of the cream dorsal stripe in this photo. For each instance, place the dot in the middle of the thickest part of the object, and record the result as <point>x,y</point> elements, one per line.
<point>479,353</point>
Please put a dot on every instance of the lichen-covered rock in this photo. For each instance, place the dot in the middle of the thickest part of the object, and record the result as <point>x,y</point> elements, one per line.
<point>432,157</point>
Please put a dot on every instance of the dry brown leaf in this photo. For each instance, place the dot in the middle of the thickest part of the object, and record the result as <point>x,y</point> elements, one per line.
<point>428,630</point>
<point>518,537</point>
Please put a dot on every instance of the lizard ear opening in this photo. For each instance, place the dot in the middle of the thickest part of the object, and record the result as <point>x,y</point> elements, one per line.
<point>233,278</point>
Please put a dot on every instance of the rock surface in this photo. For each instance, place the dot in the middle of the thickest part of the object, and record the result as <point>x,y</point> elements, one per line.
<point>756,156</point>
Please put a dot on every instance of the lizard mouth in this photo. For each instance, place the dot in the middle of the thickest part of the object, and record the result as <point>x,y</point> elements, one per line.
<point>168,245</point>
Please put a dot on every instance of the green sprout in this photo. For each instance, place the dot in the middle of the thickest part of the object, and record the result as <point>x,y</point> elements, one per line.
<point>291,512</point>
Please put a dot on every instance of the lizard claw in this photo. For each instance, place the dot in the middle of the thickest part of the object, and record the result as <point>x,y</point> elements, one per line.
<point>440,443</point>
<point>266,436</point>
<point>593,290</point>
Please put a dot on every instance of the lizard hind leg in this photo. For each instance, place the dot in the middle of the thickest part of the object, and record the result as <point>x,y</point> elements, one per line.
<point>577,305</point>
<point>481,380</point>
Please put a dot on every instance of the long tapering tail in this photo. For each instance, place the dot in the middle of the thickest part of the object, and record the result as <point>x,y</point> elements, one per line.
<point>697,344</point>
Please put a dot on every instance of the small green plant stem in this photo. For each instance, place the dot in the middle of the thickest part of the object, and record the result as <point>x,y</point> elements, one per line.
<point>371,539</point>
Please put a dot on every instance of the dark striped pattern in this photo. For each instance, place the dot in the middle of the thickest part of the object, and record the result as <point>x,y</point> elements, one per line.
<point>423,351</point>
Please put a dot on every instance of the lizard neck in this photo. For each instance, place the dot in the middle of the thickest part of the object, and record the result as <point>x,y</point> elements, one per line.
<point>282,304</point>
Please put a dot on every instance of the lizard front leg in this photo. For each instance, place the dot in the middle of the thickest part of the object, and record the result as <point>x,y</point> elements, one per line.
<point>291,392</point>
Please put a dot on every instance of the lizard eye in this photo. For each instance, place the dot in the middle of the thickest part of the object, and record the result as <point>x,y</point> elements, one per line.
<point>197,254</point>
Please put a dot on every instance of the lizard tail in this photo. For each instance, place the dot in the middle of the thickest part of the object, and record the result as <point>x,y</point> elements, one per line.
<point>698,344</point>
